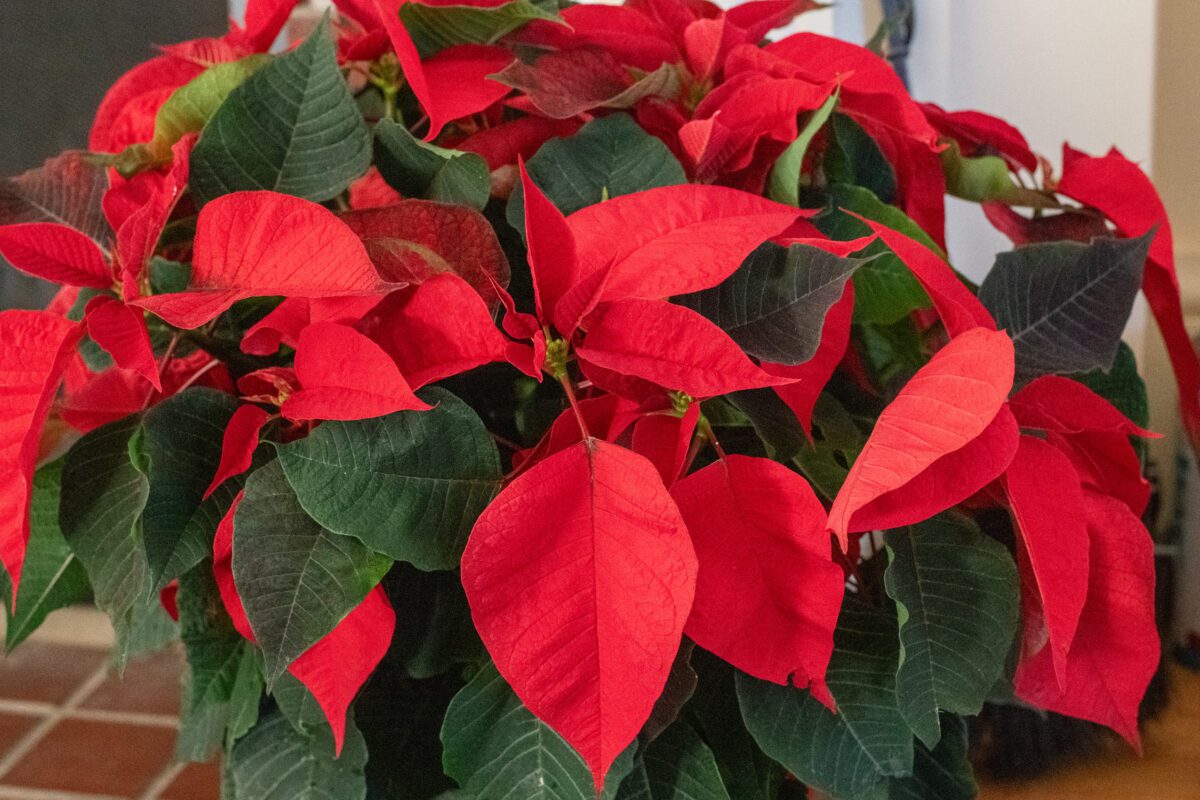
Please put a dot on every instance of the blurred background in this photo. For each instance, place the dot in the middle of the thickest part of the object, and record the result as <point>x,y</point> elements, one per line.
<point>1096,72</point>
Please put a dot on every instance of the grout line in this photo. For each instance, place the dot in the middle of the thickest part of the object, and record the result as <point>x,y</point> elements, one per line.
<point>123,717</point>
<point>19,793</point>
<point>163,781</point>
<point>39,731</point>
<point>28,708</point>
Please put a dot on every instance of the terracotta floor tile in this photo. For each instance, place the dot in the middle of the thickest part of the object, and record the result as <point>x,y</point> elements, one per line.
<point>150,685</point>
<point>13,727</point>
<point>95,757</point>
<point>46,673</point>
<point>196,782</point>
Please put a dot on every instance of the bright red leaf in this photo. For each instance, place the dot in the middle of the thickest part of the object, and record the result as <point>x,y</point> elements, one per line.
<point>580,575</point>
<point>121,331</point>
<point>35,349</point>
<point>285,322</point>
<point>947,404</point>
<point>551,248</point>
<point>768,593</point>
<point>1107,463</point>
<point>607,417</point>
<point>674,239</point>
<point>1116,648</point>
<point>671,346</point>
<point>981,134</point>
<point>458,78</point>
<point>55,253</point>
<point>256,244</point>
<point>664,438</point>
<point>438,329</point>
<point>1047,504</point>
<point>238,444</point>
<point>344,375</point>
<point>1055,403</point>
<point>126,114</point>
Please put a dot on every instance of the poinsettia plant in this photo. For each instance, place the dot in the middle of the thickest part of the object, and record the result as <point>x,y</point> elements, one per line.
<point>513,400</point>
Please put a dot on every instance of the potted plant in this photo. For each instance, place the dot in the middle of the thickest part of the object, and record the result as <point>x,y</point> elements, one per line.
<point>501,400</point>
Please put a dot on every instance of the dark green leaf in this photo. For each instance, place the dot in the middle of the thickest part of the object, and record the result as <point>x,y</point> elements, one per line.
<point>292,127</point>
<point>495,748</point>
<point>419,169</point>
<point>168,276</point>
<point>854,158</point>
<point>216,656</point>
<point>52,576</point>
<point>775,423</point>
<point>103,494</point>
<point>300,706</point>
<point>851,753</point>
<point>436,27</point>
<point>182,441</point>
<point>296,579</point>
<point>434,630</point>
<point>608,157</point>
<point>275,762</point>
<point>943,774</point>
<point>885,291</point>
<point>676,766</point>
<point>1065,304</point>
<point>1122,386</point>
<point>957,596</point>
<point>410,484</point>
<point>774,304</point>
<point>837,441</point>
<point>783,185</point>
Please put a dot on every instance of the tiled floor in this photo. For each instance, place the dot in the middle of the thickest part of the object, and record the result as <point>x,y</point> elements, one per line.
<point>70,729</point>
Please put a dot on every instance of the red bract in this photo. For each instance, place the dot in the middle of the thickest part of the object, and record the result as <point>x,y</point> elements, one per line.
<point>549,571</point>
<point>121,330</point>
<point>1116,647</point>
<point>344,375</point>
<point>671,346</point>
<point>35,348</point>
<point>767,594</point>
<point>238,444</point>
<point>255,244</point>
<point>949,403</point>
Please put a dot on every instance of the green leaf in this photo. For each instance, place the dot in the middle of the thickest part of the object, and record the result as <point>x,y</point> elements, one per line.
<point>300,706</point>
<point>775,423</point>
<point>245,697</point>
<point>52,576</point>
<point>986,179</point>
<point>853,158</point>
<point>275,762</point>
<point>433,614</point>
<point>419,169</point>
<point>783,185</point>
<point>436,27</point>
<point>837,441</point>
<point>608,157</point>
<point>851,753</point>
<point>296,579</point>
<point>182,442</point>
<point>218,662</point>
<point>677,765</point>
<point>943,774</point>
<point>291,127</point>
<point>1122,386</point>
<point>188,109</point>
<point>410,484</point>
<point>146,628</point>
<point>103,494</point>
<point>168,276</point>
<point>1065,304</point>
<point>885,291</point>
<point>957,596</point>
<point>774,304</point>
<point>495,748</point>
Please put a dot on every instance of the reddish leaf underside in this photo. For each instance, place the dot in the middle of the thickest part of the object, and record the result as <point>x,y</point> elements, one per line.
<point>768,593</point>
<point>580,575</point>
<point>35,349</point>
<point>262,244</point>
<point>671,346</point>
<point>1116,647</point>
<point>947,404</point>
<point>344,375</point>
<point>1047,504</point>
<point>337,666</point>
